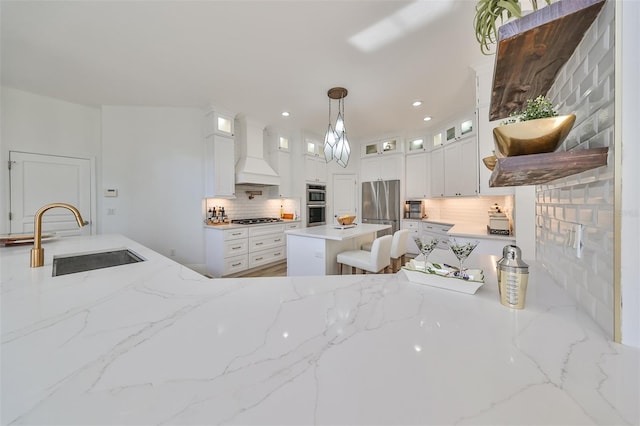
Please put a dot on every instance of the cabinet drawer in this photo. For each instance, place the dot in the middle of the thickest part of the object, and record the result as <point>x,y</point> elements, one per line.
<point>236,247</point>
<point>235,264</point>
<point>266,256</point>
<point>265,242</point>
<point>292,226</point>
<point>234,234</point>
<point>411,225</point>
<point>265,230</point>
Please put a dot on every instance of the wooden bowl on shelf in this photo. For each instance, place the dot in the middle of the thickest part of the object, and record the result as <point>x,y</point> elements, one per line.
<point>490,162</point>
<point>533,136</point>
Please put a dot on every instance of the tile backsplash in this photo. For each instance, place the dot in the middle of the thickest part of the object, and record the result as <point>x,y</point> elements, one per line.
<point>260,206</point>
<point>585,87</point>
<point>467,210</point>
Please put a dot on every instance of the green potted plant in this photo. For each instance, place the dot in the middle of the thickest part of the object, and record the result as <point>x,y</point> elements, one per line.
<point>536,129</point>
<point>488,12</point>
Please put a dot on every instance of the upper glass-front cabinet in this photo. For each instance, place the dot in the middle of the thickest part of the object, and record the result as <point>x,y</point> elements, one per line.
<point>385,146</point>
<point>416,144</point>
<point>283,143</point>
<point>219,123</point>
<point>459,130</point>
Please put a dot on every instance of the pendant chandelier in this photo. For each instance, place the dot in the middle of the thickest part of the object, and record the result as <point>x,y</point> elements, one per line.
<point>336,144</point>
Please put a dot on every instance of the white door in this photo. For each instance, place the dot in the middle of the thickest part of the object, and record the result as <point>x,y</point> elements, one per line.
<point>345,195</point>
<point>38,179</point>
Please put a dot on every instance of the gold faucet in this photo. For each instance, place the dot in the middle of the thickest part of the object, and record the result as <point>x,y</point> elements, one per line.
<point>37,252</point>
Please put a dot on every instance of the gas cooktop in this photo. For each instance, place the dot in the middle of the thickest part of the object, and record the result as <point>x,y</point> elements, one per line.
<point>255,221</point>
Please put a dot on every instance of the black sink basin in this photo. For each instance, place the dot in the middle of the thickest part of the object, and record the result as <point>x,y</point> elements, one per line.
<point>70,264</point>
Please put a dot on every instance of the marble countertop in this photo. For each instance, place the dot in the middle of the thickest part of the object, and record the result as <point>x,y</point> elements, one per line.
<point>156,343</point>
<point>333,232</point>
<point>467,229</point>
<point>222,227</point>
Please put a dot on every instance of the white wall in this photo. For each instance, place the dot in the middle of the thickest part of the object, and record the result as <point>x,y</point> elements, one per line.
<point>153,157</point>
<point>39,124</point>
<point>629,110</point>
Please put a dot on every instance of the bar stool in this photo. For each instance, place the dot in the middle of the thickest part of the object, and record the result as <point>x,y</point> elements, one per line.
<point>398,249</point>
<point>376,260</point>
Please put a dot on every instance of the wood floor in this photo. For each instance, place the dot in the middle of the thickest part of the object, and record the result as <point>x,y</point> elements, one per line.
<point>276,270</point>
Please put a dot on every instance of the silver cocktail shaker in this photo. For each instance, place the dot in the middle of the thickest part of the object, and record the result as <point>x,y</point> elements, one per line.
<point>513,275</point>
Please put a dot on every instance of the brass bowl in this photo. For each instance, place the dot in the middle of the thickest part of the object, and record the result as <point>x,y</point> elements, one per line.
<point>490,162</point>
<point>533,136</point>
<point>346,220</point>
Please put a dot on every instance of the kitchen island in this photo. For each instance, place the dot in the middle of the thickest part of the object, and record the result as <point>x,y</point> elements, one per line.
<point>156,343</point>
<point>314,250</point>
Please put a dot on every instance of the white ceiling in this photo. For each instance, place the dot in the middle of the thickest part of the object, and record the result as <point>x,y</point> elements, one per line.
<point>253,57</point>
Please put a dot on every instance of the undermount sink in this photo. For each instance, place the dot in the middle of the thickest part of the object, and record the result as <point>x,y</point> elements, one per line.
<point>72,263</point>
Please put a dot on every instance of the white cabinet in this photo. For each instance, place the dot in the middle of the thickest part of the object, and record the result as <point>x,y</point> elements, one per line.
<point>219,167</point>
<point>461,168</point>
<point>266,245</point>
<point>226,251</point>
<point>437,172</point>
<point>280,161</point>
<point>313,147</point>
<point>219,123</point>
<point>381,147</point>
<point>315,169</point>
<point>315,165</point>
<point>418,145</point>
<point>234,250</point>
<point>418,176</point>
<point>381,168</point>
<point>460,129</point>
<point>414,231</point>
<point>454,169</point>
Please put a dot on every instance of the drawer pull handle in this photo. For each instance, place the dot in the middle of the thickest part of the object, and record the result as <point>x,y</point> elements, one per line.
<point>277,240</point>
<point>236,264</point>
<point>236,233</point>
<point>259,244</point>
<point>259,258</point>
<point>236,248</point>
<point>276,254</point>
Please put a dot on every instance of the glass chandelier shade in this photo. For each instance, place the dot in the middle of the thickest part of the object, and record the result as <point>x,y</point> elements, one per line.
<point>336,144</point>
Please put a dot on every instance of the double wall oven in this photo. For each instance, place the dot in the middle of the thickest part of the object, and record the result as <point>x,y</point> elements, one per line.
<point>316,204</point>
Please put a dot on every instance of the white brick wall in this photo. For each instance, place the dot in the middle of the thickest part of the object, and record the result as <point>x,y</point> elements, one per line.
<point>585,86</point>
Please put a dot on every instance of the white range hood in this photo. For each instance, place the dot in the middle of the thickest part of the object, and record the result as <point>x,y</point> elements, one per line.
<point>251,167</point>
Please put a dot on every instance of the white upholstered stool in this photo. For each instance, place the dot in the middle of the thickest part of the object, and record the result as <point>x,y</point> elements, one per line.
<point>376,260</point>
<point>398,249</point>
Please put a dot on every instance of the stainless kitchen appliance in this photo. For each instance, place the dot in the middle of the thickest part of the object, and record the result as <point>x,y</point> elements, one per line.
<point>381,204</point>
<point>413,210</point>
<point>316,194</point>
<point>316,204</point>
<point>316,214</point>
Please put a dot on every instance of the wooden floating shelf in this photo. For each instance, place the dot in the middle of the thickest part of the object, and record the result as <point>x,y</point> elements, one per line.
<point>537,169</point>
<point>532,49</point>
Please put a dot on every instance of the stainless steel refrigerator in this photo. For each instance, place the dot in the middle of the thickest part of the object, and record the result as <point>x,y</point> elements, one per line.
<point>381,204</point>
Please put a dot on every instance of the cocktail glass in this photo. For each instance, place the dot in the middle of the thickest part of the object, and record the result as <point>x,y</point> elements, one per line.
<point>426,246</point>
<point>462,249</point>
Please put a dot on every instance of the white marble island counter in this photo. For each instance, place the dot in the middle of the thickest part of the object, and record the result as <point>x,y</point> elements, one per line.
<point>155,343</point>
<point>314,250</point>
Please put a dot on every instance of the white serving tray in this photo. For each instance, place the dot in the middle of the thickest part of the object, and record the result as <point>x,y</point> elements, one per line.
<point>415,273</point>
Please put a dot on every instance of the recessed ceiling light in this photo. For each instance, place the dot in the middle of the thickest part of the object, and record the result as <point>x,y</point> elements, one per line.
<point>285,114</point>
<point>427,118</point>
<point>416,103</point>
